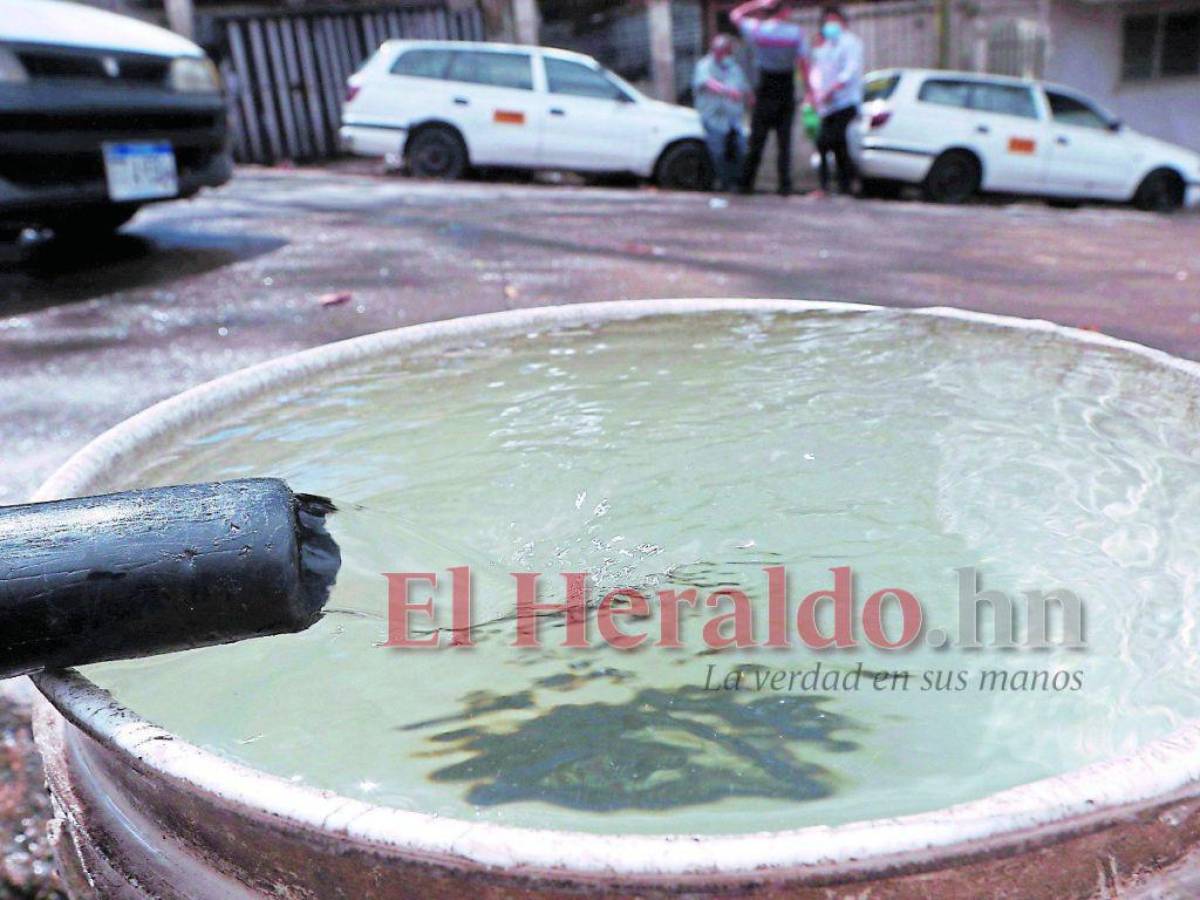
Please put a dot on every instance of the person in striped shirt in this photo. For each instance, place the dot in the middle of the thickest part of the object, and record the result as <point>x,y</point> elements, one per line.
<point>780,48</point>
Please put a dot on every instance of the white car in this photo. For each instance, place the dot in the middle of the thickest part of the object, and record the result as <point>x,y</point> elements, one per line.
<point>444,106</point>
<point>957,133</point>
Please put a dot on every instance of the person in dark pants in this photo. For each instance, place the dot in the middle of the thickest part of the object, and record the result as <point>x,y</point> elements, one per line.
<point>779,48</point>
<point>838,87</point>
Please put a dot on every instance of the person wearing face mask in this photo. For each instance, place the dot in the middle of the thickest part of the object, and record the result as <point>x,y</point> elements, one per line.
<point>838,73</point>
<point>779,47</point>
<point>721,91</point>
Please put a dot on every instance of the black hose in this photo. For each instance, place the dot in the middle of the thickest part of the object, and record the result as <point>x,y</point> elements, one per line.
<point>153,571</point>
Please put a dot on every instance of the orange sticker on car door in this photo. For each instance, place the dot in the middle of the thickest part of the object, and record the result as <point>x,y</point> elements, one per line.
<point>508,117</point>
<point>1022,145</point>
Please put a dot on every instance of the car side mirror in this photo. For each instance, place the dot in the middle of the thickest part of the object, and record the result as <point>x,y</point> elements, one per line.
<point>1115,125</point>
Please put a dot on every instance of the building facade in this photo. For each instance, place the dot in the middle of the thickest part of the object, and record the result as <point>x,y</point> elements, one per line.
<point>1138,58</point>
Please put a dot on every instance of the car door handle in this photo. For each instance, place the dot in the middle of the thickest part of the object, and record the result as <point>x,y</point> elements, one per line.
<point>462,101</point>
<point>557,112</point>
<point>983,129</point>
<point>1063,140</point>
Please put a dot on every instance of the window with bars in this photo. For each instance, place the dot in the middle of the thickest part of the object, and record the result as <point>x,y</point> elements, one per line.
<point>1161,45</point>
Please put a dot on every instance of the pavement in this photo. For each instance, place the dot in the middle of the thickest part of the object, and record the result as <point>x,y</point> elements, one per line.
<point>281,260</point>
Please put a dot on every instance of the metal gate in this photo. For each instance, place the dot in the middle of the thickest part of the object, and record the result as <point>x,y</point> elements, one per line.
<point>286,73</point>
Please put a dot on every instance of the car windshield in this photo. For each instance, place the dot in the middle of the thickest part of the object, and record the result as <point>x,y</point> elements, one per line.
<point>564,76</point>
<point>631,93</point>
<point>1069,110</point>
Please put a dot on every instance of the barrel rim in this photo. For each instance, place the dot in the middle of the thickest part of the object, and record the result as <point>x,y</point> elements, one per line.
<point>1157,770</point>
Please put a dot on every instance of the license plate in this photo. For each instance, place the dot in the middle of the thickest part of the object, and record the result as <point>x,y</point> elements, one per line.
<point>140,171</point>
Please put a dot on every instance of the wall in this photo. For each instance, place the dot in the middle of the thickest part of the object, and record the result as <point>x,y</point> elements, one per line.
<point>620,39</point>
<point>1086,54</point>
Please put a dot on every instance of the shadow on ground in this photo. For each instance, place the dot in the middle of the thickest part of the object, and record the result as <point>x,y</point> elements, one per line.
<point>61,271</point>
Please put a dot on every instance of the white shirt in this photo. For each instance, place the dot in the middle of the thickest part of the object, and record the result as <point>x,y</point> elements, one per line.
<point>839,62</point>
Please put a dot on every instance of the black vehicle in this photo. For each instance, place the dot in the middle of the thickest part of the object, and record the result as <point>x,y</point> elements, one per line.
<point>99,115</point>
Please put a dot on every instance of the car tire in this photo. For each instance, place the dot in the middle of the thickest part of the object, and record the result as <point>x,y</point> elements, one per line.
<point>1161,191</point>
<point>92,222</point>
<point>955,177</point>
<point>880,189</point>
<point>437,152</point>
<point>685,167</point>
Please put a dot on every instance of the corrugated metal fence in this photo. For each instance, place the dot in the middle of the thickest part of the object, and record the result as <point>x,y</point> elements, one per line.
<point>287,73</point>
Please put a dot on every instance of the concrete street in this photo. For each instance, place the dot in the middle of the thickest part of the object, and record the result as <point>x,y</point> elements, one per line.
<point>91,334</point>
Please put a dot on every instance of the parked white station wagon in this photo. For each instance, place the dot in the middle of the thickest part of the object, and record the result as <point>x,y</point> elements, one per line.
<point>448,105</point>
<point>956,133</point>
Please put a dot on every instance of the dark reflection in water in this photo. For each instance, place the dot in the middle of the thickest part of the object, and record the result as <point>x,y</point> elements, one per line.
<point>571,681</point>
<point>660,750</point>
<point>710,575</point>
<point>480,703</point>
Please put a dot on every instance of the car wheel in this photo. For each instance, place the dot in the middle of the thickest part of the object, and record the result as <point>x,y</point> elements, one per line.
<point>92,221</point>
<point>1161,191</point>
<point>954,178</point>
<point>880,188</point>
<point>437,152</point>
<point>685,167</point>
